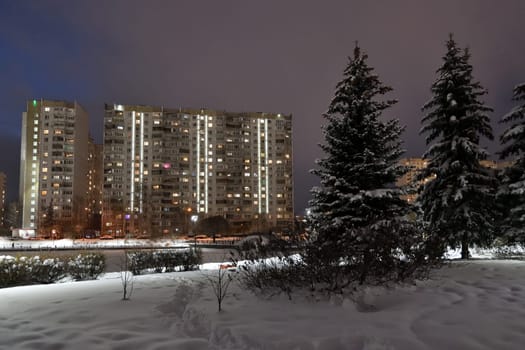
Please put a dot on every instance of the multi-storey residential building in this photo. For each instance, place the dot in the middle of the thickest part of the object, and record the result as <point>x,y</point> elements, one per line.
<point>410,182</point>
<point>94,181</point>
<point>163,166</point>
<point>2,199</point>
<point>53,166</point>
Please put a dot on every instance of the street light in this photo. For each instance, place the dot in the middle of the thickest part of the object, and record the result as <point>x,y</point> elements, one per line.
<point>194,219</point>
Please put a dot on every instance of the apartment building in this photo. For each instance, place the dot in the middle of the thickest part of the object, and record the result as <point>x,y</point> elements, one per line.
<point>410,182</point>
<point>2,198</point>
<point>53,167</point>
<point>166,168</point>
<point>95,179</point>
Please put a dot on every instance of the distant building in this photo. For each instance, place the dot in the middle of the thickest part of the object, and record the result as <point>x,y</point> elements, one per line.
<point>2,199</point>
<point>53,166</point>
<point>410,183</point>
<point>163,167</point>
<point>409,180</point>
<point>95,179</point>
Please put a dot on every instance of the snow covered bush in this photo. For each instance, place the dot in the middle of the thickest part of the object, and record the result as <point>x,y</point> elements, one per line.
<point>276,275</point>
<point>14,271</point>
<point>22,270</point>
<point>164,260</point>
<point>86,266</point>
<point>47,269</point>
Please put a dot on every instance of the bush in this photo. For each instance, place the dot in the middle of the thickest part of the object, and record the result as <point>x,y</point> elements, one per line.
<point>275,275</point>
<point>47,270</point>
<point>22,270</point>
<point>164,260</point>
<point>14,271</point>
<point>87,267</point>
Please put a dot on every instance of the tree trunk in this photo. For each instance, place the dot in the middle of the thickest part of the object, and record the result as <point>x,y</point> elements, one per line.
<point>464,248</point>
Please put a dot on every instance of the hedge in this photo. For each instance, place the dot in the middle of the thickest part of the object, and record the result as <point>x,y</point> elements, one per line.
<point>24,270</point>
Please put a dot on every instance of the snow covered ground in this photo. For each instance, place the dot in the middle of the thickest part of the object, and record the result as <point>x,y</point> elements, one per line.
<point>469,305</point>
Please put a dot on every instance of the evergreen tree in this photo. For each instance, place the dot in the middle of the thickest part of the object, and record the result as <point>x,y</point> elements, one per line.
<point>458,203</point>
<point>355,215</point>
<point>512,190</point>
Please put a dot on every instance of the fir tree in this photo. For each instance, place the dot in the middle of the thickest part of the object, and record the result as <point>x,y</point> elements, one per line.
<point>457,203</point>
<point>512,190</point>
<point>355,213</point>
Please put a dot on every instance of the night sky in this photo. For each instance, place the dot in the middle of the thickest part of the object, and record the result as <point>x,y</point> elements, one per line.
<point>268,56</point>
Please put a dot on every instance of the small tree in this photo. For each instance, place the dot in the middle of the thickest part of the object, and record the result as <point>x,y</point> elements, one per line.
<point>219,281</point>
<point>511,193</point>
<point>126,276</point>
<point>458,203</point>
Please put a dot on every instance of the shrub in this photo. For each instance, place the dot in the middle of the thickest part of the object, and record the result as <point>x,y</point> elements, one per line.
<point>22,270</point>
<point>14,271</point>
<point>275,275</point>
<point>86,267</point>
<point>164,260</point>
<point>47,270</point>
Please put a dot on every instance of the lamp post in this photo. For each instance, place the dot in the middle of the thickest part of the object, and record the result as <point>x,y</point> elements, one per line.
<point>194,219</point>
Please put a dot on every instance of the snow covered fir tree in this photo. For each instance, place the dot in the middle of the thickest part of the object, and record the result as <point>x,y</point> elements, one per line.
<point>511,194</point>
<point>357,220</point>
<point>458,203</point>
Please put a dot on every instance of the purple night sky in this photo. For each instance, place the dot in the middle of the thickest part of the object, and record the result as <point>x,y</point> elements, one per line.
<point>271,56</point>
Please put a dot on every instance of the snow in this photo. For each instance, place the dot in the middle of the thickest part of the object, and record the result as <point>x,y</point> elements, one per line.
<point>466,305</point>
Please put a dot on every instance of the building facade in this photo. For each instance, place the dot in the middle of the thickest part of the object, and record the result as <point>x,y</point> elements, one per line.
<point>53,167</point>
<point>95,179</point>
<point>3,180</point>
<point>164,167</point>
<point>410,182</point>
